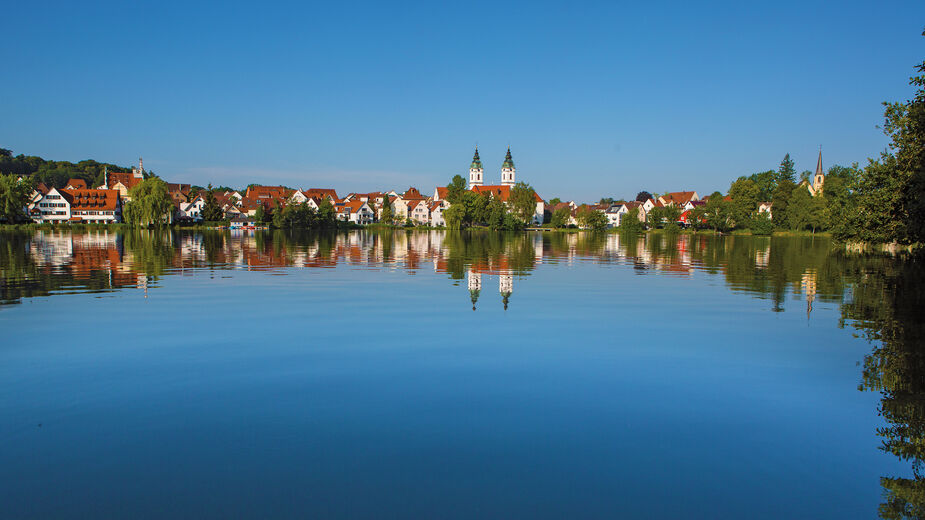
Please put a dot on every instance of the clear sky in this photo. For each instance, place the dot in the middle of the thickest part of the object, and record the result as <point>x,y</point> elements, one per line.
<point>595,99</point>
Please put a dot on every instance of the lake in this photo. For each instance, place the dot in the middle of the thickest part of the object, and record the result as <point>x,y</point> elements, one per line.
<point>457,375</point>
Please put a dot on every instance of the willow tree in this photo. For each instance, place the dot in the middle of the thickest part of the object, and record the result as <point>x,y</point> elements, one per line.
<point>150,205</point>
<point>14,195</point>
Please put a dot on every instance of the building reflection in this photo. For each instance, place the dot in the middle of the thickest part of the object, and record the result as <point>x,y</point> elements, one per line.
<point>45,262</point>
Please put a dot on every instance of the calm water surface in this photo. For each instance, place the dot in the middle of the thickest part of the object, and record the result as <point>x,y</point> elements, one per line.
<point>362,375</point>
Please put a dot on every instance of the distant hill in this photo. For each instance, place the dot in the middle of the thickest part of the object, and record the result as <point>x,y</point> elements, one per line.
<point>55,173</point>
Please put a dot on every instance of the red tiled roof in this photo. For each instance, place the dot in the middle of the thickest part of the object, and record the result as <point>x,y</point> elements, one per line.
<point>77,184</point>
<point>127,179</point>
<point>81,200</point>
<point>502,191</point>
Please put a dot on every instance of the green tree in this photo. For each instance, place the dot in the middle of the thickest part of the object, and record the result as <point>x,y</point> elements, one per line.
<point>496,214</point>
<point>151,203</point>
<point>260,215</point>
<point>766,182</point>
<point>587,218</point>
<point>630,221</point>
<point>671,214</point>
<point>656,217</point>
<point>786,171</point>
<point>762,224</point>
<point>523,202</point>
<point>327,217</point>
<point>14,196</point>
<point>780,202</point>
<point>718,211</point>
<point>455,190</point>
<point>455,216</point>
<point>891,190</point>
<point>555,200</point>
<point>385,214</point>
<point>211,211</point>
<point>744,194</point>
<point>560,217</point>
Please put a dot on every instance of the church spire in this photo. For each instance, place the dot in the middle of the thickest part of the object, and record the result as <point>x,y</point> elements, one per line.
<point>819,177</point>
<point>507,169</point>
<point>819,163</point>
<point>476,161</point>
<point>508,161</point>
<point>475,170</point>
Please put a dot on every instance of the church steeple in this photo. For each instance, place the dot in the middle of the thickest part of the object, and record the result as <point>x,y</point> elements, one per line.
<point>475,170</point>
<point>507,169</point>
<point>819,177</point>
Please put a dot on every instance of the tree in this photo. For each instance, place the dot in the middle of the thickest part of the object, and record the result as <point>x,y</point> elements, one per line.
<point>697,218</point>
<point>211,211</point>
<point>718,212</point>
<point>762,224</point>
<point>555,200</point>
<point>523,202</point>
<point>766,182</point>
<point>326,214</point>
<point>385,214</point>
<point>643,196</point>
<point>744,194</point>
<point>14,196</point>
<point>780,202</point>
<point>606,200</point>
<point>630,221</point>
<point>151,203</point>
<point>590,218</point>
<point>260,215</point>
<point>786,171</point>
<point>671,214</point>
<point>496,214</point>
<point>455,189</point>
<point>891,190</point>
<point>454,216</point>
<point>560,217</point>
<point>656,217</point>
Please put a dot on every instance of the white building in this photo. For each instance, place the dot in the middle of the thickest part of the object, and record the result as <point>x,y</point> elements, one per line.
<point>79,206</point>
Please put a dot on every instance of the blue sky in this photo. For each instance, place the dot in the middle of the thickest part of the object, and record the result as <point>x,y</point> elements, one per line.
<point>595,99</point>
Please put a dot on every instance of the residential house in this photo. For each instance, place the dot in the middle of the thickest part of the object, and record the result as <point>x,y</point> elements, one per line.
<point>419,211</point>
<point>436,214</point>
<point>82,206</point>
<point>678,198</point>
<point>123,182</point>
<point>765,207</point>
<point>356,211</point>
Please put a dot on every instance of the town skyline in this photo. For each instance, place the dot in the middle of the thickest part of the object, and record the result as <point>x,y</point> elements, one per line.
<point>607,94</point>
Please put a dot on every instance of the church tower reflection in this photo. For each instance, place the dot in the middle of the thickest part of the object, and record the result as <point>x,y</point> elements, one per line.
<point>475,285</point>
<point>506,287</point>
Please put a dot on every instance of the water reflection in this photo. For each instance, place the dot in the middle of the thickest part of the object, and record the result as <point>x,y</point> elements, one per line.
<point>50,262</point>
<point>881,297</point>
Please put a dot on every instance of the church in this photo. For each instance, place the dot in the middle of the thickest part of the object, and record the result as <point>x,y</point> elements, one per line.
<point>502,190</point>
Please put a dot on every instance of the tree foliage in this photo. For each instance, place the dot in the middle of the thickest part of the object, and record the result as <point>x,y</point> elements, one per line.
<point>150,205</point>
<point>523,202</point>
<point>211,210</point>
<point>14,196</point>
<point>560,217</point>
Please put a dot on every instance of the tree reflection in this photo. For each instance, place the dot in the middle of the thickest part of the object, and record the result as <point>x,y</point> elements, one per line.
<point>887,308</point>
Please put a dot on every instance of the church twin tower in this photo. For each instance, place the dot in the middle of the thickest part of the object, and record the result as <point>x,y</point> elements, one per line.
<point>476,173</point>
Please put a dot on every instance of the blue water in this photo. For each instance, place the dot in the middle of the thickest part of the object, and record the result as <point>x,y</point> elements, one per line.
<point>368,389</point>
